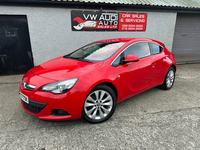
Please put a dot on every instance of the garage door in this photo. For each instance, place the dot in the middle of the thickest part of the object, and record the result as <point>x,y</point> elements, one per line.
<point>15,48</point>
<point>186,45</point>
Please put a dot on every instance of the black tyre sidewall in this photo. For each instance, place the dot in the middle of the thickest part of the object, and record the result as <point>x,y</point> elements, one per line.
<point>112,93</point>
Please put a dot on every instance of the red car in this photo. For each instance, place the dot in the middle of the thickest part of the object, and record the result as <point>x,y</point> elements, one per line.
<point>90,81</point>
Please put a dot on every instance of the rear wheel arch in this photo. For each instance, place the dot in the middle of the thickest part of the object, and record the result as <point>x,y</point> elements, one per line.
<point>173,66</point>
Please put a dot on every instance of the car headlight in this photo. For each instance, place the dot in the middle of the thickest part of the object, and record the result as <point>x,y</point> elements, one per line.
<point>27,86</point>
<point>59,87</point>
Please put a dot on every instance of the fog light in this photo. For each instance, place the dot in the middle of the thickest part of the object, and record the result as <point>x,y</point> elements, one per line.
<point>59,112</point>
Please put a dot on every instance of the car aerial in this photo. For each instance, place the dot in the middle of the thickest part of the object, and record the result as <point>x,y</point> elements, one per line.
<point>89,82</point>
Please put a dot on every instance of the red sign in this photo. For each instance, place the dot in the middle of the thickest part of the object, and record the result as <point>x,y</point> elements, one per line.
<point>107,21</point>
<point>132,22</point>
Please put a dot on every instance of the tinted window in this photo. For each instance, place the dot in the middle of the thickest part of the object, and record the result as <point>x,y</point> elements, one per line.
<point>139,49</point>
<point>155,48</point>
<point>96,51</point>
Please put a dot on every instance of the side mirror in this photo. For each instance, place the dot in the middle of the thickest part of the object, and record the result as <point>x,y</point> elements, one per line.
<point>131,58</point>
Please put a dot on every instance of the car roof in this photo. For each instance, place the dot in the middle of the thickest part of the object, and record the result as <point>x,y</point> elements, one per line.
<point>131,40</point>
<point>117,40</point>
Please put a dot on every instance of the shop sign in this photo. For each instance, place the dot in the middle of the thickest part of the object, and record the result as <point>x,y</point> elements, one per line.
<point>94,21</point>
<point>107,21</point>
<point>132,22</point>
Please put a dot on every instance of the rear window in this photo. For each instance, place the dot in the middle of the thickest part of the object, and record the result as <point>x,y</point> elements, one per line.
<point>155,48</point>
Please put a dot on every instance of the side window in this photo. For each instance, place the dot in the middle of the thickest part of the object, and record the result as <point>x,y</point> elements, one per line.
<point>117,61</point>
<point>139,49</point>
<point>155,49</point>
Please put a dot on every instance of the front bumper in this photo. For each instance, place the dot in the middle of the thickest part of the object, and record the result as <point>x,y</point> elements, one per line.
<point>71,102</point>
<point>41,104</point>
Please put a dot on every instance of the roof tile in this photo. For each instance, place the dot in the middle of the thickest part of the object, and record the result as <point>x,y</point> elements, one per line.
<point>167,3</point>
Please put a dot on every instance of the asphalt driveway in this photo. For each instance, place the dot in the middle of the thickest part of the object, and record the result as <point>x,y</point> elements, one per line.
<point>155,119</point>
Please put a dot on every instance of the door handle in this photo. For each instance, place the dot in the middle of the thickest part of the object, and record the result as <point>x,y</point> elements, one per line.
<point>153,65</point>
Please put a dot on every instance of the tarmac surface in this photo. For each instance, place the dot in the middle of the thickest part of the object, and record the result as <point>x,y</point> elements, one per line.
<point>155,119</point>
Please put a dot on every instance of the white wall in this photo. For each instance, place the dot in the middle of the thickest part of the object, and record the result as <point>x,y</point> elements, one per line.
<point>51,35</point>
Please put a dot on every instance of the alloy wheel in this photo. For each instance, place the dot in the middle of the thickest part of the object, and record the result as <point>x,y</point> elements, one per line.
<point>170,79</point>
<point>98,104</point>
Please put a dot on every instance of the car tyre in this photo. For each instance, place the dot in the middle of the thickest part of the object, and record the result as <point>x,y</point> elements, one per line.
<point>169,79</point>
<point>99,105</point>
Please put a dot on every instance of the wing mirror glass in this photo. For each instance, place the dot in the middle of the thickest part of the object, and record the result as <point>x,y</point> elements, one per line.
<point>131,58</point>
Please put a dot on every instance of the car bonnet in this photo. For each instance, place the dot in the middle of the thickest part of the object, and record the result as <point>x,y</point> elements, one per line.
<point>63,68</point>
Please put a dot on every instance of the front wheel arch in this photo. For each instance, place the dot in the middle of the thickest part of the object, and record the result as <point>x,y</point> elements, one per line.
<point>112,86</point>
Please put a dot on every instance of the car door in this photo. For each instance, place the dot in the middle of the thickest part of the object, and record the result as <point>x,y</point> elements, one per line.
<point>136,76</point>
<point>159,63</point>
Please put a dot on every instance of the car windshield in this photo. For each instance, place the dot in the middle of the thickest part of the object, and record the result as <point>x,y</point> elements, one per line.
<point>97,51</point>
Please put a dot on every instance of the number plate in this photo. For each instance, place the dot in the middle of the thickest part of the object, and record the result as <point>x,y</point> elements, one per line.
<point>24,98</point>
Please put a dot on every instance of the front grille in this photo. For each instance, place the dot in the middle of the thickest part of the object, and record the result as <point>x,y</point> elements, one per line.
<point>33,106</point>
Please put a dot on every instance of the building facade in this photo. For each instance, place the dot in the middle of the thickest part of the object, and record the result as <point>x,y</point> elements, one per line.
<point>37,31</point>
